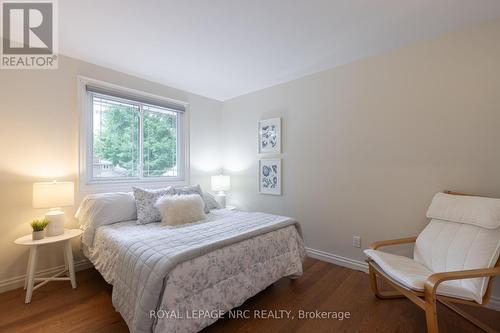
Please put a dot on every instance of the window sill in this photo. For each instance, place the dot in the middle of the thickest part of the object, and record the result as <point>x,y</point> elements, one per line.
<point>103,186</point>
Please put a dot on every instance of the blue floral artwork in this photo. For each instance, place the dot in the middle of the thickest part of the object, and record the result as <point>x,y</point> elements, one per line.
<point>270,176</point>
<point>269,136</point>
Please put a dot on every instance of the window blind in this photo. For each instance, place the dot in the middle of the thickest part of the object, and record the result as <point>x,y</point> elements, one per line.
<point>137,98</point>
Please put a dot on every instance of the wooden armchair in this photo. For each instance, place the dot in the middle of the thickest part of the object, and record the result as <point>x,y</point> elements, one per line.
<point>456,258</point>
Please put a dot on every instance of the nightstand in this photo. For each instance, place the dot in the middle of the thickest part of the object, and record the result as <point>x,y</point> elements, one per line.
<point>29,283</point>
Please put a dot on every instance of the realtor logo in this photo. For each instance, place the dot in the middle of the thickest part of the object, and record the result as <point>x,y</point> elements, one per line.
<point>29,34</point>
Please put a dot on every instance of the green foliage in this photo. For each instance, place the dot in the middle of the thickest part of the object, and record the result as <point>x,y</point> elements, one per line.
<point>118,140</point>
<point>159,143</point>
<point>39,225</point>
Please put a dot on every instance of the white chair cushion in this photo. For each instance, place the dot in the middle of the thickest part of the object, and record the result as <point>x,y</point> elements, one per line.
<point>404,270</point>
<point>413,274</point>
<point>448,246</point>
<point>479,211</point>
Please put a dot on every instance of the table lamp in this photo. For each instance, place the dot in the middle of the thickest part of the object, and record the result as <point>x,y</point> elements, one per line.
<point>220,184</point>
<point>54,195</point>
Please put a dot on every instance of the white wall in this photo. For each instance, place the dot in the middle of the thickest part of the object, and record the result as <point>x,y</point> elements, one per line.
<point>366,145</point>
<point>39,141</point>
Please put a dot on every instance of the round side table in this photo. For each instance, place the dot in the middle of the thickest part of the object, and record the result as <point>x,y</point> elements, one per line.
<point>29,283</point>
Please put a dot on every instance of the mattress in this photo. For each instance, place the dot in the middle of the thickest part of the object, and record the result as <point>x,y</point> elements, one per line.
<point>206,267</point>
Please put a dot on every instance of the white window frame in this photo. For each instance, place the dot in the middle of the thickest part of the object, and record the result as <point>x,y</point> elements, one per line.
<point>90,184</point>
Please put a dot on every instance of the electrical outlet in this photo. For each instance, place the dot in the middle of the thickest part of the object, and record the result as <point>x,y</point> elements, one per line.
<point>356,241</point>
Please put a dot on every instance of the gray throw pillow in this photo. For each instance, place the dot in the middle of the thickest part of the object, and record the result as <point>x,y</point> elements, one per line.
<point>145,201</point>
<point>194,189</point>
<point>211,201</point>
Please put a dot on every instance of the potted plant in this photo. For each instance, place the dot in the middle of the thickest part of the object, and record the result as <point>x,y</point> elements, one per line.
<point>39,229</point>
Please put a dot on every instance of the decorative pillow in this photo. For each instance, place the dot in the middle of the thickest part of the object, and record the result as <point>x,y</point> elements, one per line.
<point>194,189</point>
<point>211,201</point>
<point>180,209</point>
<point>145,201</point>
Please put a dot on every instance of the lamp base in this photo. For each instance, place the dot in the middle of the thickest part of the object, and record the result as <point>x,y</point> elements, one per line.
<point>56,223</point>
<point>221,199</point>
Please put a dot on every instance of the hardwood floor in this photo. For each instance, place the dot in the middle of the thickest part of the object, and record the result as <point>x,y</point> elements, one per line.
<point>324,287</point>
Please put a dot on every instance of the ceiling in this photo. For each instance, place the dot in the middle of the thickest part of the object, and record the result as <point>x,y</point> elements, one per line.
<point>226,48</point>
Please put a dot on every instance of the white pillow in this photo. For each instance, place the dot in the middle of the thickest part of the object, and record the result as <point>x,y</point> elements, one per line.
<point>106,208</point>
<point>181,209</point>
<point>191,189</point>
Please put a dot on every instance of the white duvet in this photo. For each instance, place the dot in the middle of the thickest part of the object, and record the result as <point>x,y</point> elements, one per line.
<point>207,267</point>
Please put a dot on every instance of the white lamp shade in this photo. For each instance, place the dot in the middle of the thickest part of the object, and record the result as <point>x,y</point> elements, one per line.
<point>53,194</point>
<point>221,183</point>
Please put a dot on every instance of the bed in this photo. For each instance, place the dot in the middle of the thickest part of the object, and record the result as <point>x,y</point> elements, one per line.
<point>181,279</point>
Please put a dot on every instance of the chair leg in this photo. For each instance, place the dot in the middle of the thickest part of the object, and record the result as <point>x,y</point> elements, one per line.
<point>373,279</point>
<point>431,317</point>
<point>468,317</point>
<point>376,291</point>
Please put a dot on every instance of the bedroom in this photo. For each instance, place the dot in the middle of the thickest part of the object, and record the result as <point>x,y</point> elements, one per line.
<point>334,125</point>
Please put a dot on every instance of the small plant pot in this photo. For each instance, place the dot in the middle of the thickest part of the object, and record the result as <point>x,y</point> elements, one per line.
<point>37,235</point>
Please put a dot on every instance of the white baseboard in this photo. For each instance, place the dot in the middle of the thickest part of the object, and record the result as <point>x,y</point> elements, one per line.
<point>493,304</point>
<point>18,281</point>
<point>337,260</point>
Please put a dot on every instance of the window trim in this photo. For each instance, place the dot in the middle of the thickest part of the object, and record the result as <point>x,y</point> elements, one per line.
<point>90,184</point>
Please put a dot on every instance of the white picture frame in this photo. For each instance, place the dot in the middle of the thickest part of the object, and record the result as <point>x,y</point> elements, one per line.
<point>270,176</point>
<point>270,136</point>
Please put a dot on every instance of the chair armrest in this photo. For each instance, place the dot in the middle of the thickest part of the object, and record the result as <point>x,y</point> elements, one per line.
<point>406,240</point>
<point>436,279</point>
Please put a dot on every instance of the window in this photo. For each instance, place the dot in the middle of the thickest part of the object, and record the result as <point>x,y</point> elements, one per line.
<point>132,136</point>
<point>115,150</point>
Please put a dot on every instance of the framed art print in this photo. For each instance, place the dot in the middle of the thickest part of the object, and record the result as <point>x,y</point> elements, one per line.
<point>270,176</point>
<point>270,136</point>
